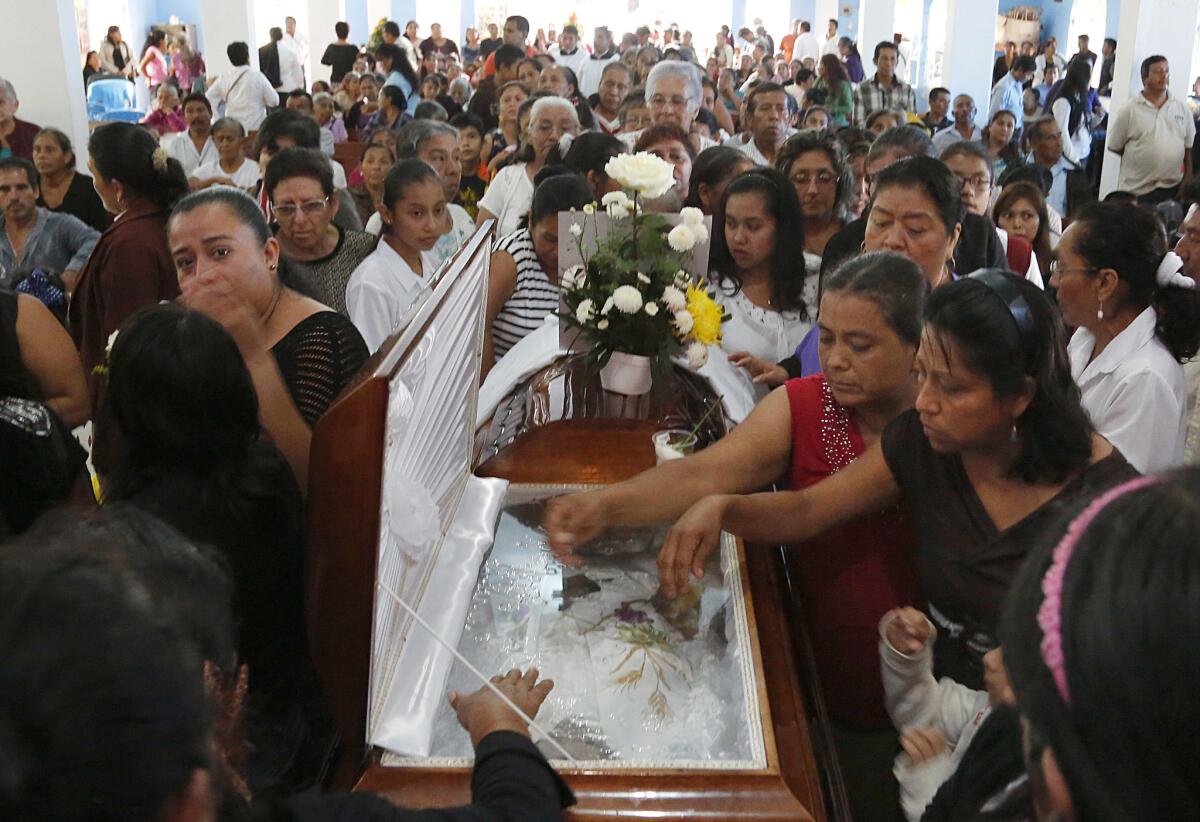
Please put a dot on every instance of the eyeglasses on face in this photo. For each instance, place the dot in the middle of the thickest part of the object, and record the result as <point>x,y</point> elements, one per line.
<point>660,102</point>
<point>286,211</point>
<point>823,178</point>
<point>1057,268</point>
<point>977,182</point>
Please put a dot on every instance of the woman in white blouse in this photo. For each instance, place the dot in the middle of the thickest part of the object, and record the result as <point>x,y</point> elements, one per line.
<point>1138,318</point>
<point>510,193</point>
<point>1070,109</point>
<point>758,267</point>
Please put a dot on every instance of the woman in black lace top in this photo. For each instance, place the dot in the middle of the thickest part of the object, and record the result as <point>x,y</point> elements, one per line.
<point>300,353</point>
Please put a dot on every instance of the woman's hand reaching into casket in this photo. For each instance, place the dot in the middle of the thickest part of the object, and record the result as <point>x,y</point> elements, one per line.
<point>689,544</point>
<point>482,712</point>
<point>572,520</point>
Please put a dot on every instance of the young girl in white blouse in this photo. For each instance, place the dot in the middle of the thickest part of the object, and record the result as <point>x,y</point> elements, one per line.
<point>389,281</point>
<point>758,267</point>
<point>1137,318</point>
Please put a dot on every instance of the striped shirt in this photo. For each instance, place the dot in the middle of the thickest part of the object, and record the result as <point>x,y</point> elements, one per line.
<point>532,300</point>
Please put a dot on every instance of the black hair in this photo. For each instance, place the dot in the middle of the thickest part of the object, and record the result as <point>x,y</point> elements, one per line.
<point>894,283</point>
<point>1040,176</point>
<point>403,174</point>
<point>1148,62</point>
<point>787,258</point>
<point>155,37</point>
<point>60,137</point>
<point>87,657</point>
<point>590,151</point>
<point>391,27</point>
<point>934,92</point>
<point>934,179</point>
<point>467,119</point>
<point>760,89</point>
<point>299,162</point>
<point>288,124</point>
<point>276,34</point>
<point>1054,431</point>
<point>884,44</point>
<point>968,148</point>
<point>1128,620</point>
<point>903,141</point>
<point>563,191</point>
<point>803,142</point>
<point>341,29</point>
<point>707,119</point>
<point>1024,63</point>
<point>1031,193</point>
<point>507,55</point>
<point>875,116</point>
<point>1130,241</point>
<point>712,166</point>
<point>239,202</point>
<point>238,53</point>
<point>395,97</point>
<point>31,172</point>
<point>398,61</point>
<point>661,132</point>
<point>196,98</point>
<point>126,152</point>
<point>301,94</point>
<point>522,22</point>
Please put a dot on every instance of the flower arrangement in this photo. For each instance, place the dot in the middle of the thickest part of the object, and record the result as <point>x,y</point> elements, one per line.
<point>633,294</point>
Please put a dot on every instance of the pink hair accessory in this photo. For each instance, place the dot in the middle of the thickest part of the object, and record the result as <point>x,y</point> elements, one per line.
<point>1049,615</point>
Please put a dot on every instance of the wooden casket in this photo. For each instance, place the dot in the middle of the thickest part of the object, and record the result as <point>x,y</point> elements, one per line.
<point>702,708</point>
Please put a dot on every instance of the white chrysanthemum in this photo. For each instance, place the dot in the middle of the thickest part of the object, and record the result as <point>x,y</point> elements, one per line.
<point>674,298</point>
<point>642,278</point>
<point>614,198</point>
<point>692,216</point>
<point>697,355</point>
<point>627,299</point>
<point>644,173</point>
<point>608,305</point>
<point>586,311</point>
<point>574,277</point>
<point>618,212</point>
<point>576,230</point>
<point>682,278</point>
<point>682,238</point>
<point>590,208</point>
<point>602,325</point>
<point>684,321</point>
<point>651,309</point>
<point>700,233</point>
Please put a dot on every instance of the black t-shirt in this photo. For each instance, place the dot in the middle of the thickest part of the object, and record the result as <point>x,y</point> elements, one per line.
<point>964,565</point>
<point>82,201</point>
<point>488,45</point>
<point>341,58</point>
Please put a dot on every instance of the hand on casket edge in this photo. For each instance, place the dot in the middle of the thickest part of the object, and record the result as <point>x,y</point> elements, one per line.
<point>483,712</point>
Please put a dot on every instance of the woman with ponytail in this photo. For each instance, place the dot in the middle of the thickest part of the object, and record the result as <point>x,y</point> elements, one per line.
<point>1100,632</point>
<point>1137,318</point>
<point>130,267</point>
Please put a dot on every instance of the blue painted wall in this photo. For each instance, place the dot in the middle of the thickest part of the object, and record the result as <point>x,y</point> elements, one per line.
<point>804,10</point>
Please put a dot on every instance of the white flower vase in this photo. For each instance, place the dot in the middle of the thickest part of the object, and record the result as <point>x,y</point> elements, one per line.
<point>626,374</point>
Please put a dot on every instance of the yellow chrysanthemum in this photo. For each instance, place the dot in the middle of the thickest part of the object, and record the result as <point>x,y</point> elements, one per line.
<point>706,316</point>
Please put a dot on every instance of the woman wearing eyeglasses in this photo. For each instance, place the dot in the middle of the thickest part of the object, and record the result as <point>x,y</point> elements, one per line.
<point>1137,317</point>
<point>300,353</point>
<point>319,255</point>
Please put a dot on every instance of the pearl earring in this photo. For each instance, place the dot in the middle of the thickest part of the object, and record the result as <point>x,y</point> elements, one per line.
<point>1100,312</point>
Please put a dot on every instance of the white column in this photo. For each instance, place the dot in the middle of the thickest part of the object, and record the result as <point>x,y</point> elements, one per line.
<point>1148,27</point>
<point>45,68</point>
<point>322,16</point>
<point>876,23</point>
<point>970,41</point>
<point>225,22</point>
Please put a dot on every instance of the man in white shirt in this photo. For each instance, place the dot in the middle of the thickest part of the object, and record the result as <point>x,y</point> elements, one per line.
<point>245,91</point>
<point>831,39</point>
<point>297,42</point>
<point>603,53</point>
<point>615,83</point>
<point>767,111</point>
<point>807,46</point>
<point>194,147</point>
<point>291,73</point>
<point>1049,57</point>
<point>567,51</point>
<point>673,95</point>
<point>964,127</point>
<point>1153,134</point>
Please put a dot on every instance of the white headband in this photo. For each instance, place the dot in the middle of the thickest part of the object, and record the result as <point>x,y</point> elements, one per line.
<point>1170,273</point>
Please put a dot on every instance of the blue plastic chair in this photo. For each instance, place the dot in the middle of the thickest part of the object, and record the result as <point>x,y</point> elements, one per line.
<point>112,94</point>
<point>121,115</point>
<point>95,110</point>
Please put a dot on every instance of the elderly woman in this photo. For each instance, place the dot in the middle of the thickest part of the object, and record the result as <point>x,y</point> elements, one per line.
<point>325,110</point>
<point>669,142</point>
<point>508,197</point>
<point>320,256</point>
<point>300,353</point>
<point>1136,320</point>
<point>168,117</point>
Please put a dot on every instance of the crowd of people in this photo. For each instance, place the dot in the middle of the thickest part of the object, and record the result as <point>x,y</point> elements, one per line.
<point>973,378</point>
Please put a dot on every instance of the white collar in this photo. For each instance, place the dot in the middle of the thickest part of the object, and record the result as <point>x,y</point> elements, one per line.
<point>399,268</point>
<point>1137,335</point>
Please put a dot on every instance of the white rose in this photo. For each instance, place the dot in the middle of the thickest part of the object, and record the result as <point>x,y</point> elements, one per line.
<point>644,173</point>
<point>682,238</point>
<point>585,311</point>
<point>700,232</point>
<point>608,304</point>
<point>674,298</point>
<point>590,208</point>
<point>697,355</point>
<point>614,198</point>
<point>684,321</point>
<point>642,278</point>
<point>627,299</point>
<point>651,309</point>
<point>574,277</point>
<point>617,212</point>
<point>603,324</point>
<point>692,216</point>
<point>576,230</point>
